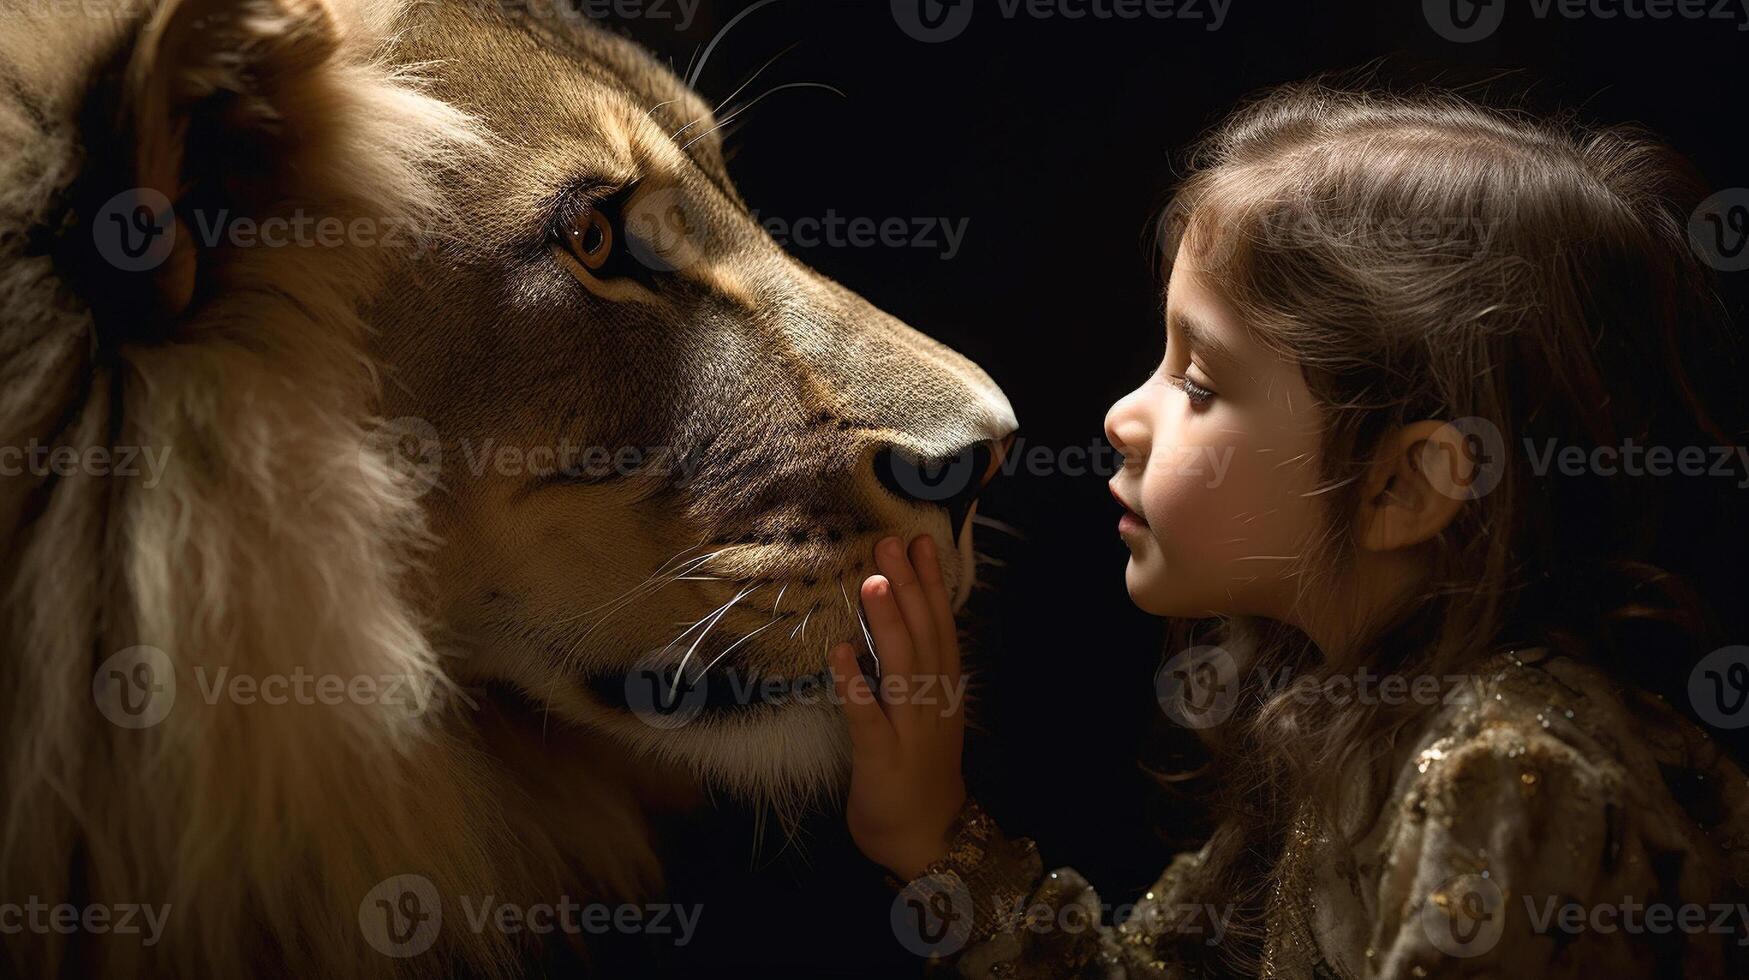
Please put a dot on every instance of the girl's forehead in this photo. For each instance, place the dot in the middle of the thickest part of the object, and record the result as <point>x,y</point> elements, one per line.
<point>1196,311</point>
<point>1200,317</point>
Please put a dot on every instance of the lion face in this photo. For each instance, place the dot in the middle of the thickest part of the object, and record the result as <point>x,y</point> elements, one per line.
<point>660,450</point>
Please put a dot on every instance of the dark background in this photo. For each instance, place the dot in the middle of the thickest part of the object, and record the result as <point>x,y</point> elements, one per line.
<point>1055,140</point>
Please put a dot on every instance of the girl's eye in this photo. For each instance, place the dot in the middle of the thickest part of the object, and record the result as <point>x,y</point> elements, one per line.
<point>1197,394</point>
<point>589,237</point>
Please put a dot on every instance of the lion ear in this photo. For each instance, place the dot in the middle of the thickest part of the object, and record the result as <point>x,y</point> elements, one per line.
<point>216,95</point>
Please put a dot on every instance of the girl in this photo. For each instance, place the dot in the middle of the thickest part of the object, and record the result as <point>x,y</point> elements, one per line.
<point>1427,613</point>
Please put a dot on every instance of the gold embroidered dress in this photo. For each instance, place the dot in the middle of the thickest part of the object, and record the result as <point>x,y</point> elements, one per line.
<point>1545,822</point>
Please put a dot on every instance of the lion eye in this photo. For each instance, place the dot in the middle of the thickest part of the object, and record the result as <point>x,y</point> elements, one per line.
<point>590,238</point>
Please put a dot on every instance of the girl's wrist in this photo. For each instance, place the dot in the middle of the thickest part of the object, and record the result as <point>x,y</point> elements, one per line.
<point>909,860</point>
<point>935,851</point>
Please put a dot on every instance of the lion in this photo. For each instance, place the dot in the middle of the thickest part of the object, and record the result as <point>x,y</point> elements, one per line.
<point>408,433</point>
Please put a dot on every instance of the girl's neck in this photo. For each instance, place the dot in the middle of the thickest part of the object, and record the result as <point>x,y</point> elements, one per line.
<point>1378,586</point>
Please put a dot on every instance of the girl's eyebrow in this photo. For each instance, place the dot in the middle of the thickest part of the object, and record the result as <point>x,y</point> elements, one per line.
<point>1203,339</point>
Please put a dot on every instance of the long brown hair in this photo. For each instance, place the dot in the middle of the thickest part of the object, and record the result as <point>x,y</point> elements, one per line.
<point>1425,257</point>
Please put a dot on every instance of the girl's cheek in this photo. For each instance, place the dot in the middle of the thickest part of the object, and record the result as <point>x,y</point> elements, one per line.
<point>1215,501</point>
<point>1192,497</point>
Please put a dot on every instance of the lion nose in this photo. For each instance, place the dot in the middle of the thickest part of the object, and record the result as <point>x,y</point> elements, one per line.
<point>950,481</point>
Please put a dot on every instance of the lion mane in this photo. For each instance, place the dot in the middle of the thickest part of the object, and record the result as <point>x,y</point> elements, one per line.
<point>278,537</point>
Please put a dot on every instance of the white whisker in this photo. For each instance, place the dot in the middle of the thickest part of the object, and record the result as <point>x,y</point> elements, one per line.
<point>722,611</point>
<point>647,587</point>
<point>996,525</point>
<point>731,116</point>
<point>692,75</point>
<point>744,639</point>
<point>738,91</point>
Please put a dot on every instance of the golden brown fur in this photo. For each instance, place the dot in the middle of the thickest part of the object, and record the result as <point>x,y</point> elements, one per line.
<point>283,537</point>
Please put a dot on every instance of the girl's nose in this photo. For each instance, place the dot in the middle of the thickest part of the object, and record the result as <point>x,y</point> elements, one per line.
<point>1126,427</point>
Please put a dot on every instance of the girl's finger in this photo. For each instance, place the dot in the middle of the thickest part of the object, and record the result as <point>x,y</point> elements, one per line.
<point>892,645</point>
<point>871,735</point>
<point>928,565</point>
<point>913,605</point>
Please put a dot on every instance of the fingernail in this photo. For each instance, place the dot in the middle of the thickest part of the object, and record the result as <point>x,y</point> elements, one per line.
<point>890,547</point>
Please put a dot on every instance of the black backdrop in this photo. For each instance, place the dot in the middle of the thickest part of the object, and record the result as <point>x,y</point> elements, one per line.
<point>1053,141</point>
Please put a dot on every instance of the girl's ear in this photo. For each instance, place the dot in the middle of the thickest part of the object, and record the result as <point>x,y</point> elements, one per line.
<point>214,96</point>
<point>1415,487</point>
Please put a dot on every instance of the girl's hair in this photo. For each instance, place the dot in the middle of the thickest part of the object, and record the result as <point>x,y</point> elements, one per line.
<point>1424,257</point>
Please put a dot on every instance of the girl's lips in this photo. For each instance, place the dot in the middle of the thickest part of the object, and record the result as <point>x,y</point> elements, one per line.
<point>1131,521</point>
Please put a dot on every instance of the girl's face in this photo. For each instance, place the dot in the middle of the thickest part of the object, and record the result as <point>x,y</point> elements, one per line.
<point>1219,466</point>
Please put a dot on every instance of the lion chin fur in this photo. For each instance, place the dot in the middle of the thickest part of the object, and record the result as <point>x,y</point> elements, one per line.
<point>273,543</point>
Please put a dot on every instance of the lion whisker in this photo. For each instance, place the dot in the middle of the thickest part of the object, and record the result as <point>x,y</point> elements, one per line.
<point>647,587</point>
<point>744,639</point>
<point>743,87</point>
<point>771,91</point>
<point>722,611</point>
<point>694,71</point>
<point>691,564</point>
<point>996,525</point>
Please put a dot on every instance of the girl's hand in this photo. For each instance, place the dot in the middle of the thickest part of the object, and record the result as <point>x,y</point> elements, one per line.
<point>905,782</point>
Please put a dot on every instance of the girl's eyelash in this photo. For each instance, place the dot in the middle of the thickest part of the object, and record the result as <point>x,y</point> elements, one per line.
<point>1197,394</point>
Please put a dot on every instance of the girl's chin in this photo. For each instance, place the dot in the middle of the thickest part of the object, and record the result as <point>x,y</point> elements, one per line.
<point>1143,584</point>
<point>1153,593</point>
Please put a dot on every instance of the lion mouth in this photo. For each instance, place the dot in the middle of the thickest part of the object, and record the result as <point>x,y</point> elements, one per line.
<point>660,693</point>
